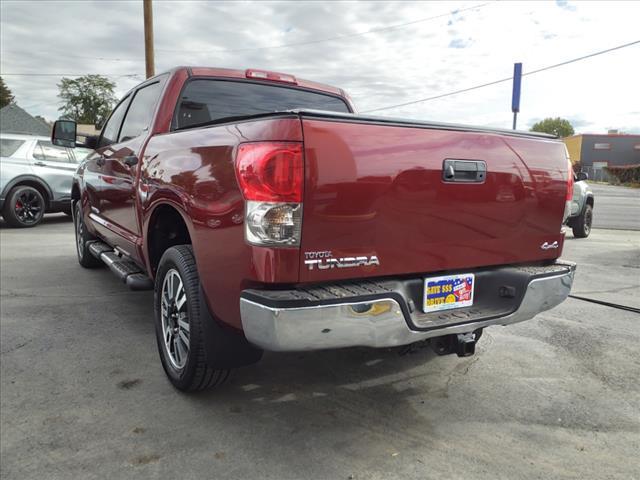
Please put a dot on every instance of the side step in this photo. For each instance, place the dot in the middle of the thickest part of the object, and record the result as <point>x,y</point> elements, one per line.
<point>124,269</point>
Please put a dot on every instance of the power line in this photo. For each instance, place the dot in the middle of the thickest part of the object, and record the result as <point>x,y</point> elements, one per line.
<point>338,37</point>
<point>309,42</point>
<point>44,52</point>
<point>502,80</point>
<point>130,75</point>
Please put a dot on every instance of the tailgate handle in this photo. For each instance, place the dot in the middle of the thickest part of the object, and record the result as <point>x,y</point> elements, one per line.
<point>464,171</point>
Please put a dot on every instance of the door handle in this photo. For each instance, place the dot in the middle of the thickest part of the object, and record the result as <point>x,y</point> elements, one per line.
<point>464,171</point>
<point>40,164</point>
<point>100,161</point>
<point>130,160</point>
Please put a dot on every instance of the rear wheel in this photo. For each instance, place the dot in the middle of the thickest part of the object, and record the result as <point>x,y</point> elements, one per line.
<point>83,237</point>
<point>582,224</point>
<point>178,319</point>
<point>24,207</point>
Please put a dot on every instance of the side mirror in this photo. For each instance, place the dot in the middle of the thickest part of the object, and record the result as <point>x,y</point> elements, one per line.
<point>98,125</point>
<point>583,176</point>
<point>64,133</point>
<point>91,141</point>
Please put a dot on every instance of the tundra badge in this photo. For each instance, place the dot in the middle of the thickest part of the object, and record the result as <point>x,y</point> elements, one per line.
<point>325,261</point>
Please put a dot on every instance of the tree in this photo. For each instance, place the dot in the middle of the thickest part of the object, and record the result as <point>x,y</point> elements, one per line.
<point>555,126</point>
<point>87,99</point>
<point>6,97</point>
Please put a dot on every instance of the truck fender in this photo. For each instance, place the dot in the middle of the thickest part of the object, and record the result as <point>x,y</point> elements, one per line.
<point>149,212</point>
<point>588,199</point>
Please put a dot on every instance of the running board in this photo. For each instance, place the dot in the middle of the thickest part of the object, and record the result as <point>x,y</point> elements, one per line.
<point>123,268</point>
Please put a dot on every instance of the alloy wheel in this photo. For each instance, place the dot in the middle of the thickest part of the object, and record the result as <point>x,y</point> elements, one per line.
<point>175,319</point>
<point>28,208</point>
<point>79,233</point>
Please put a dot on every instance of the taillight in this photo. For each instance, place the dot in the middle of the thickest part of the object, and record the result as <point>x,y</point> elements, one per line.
<point>271,177</point>
<point>569,196</point>
<point>270,171</point>
<point>570,183</point>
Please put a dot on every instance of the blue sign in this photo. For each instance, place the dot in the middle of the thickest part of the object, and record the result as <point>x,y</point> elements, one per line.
<point>517,78</point>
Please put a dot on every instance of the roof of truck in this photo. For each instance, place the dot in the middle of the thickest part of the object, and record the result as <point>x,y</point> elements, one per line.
<point>242,74</point>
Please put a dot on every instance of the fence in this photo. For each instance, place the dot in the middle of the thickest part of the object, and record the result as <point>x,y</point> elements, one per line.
<point>598,175</point>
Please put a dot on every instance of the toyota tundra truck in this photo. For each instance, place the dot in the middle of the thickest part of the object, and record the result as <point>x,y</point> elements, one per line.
<point>267,214</point>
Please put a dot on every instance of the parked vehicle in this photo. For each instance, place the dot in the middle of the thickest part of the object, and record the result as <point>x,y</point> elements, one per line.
<point>266,214</point>
<point>581,216</point>
<point>35,177</point>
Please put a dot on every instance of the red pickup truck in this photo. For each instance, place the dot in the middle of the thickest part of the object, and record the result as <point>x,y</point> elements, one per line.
<point>268,215</point>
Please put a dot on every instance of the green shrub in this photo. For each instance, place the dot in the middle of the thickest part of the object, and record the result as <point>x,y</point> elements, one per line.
<point>625,173</point>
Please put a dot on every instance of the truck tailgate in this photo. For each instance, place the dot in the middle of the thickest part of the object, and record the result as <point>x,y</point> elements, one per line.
<point>374,189</point>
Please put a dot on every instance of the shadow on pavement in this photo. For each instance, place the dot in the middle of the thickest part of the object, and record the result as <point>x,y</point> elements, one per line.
<point>49,219</point>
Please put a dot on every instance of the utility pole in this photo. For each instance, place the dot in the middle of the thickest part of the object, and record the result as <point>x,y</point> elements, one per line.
<point>148,38</point>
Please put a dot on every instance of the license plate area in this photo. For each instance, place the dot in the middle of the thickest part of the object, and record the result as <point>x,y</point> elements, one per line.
<point>448,292</point>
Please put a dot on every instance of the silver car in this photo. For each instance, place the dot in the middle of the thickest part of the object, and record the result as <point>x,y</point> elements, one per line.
<point>35,177</point>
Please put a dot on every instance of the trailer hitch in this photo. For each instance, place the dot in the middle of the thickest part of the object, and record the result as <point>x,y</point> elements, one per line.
<point>462,344</point>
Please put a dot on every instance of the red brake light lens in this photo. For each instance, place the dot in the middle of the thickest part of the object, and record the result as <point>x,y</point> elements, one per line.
<point>273,76</point>
<point>570,183</point>
<point>270,171</point>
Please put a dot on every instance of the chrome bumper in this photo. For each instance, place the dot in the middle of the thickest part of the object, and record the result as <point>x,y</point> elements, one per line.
<point>340,325</point>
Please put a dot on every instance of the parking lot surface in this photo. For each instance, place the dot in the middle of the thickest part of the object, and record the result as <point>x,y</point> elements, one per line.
<point>83,394</point>
<point>616,207</point>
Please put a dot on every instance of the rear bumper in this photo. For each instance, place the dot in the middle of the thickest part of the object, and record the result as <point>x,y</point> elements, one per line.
<point>384,315</point>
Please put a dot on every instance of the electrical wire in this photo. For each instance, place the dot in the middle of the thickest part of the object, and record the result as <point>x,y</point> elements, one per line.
<point>130,75</point>
<point>607,304</point>
<point>338,37</point>
<point>310,42</point>
<point>502,80</point>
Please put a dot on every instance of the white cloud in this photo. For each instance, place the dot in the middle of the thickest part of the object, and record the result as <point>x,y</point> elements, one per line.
<point>386,67</point>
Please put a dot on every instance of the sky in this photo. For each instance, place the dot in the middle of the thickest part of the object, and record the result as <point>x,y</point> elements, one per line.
<point>413,50</point>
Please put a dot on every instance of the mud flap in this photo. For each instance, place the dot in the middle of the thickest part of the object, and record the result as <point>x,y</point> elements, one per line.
<point>224,347</point>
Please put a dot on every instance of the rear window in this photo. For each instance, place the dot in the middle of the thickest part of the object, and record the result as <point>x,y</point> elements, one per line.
<point>9,146</point>
<point>204,101</point>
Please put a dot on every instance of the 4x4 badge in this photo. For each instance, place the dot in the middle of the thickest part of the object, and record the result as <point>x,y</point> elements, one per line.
<point>549,246</point>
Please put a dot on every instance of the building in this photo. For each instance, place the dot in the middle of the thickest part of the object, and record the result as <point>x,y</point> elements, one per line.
<point>13,119</point>
<point>593,152</point>
<point>86,129</point>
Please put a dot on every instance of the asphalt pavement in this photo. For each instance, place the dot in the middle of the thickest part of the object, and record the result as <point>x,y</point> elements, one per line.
<point>83,395</point>
<point>616,207</point>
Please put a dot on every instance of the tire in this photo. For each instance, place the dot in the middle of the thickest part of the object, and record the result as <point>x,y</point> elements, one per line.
<point>581,225</point>
<point>178,321</point>
<point>85,257</point>
<point>24,207</point>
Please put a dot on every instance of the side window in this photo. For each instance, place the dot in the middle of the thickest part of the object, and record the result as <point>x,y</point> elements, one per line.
<point>111,129</point>
<point>46,151</point>
<point>9,146</point>
<point>140,112</point>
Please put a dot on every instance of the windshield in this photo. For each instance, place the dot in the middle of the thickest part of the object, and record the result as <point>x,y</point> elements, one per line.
<point>204,101</point>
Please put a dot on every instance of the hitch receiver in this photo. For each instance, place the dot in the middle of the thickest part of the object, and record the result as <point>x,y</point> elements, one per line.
<point>462,344</point>
<point>465,344</point>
